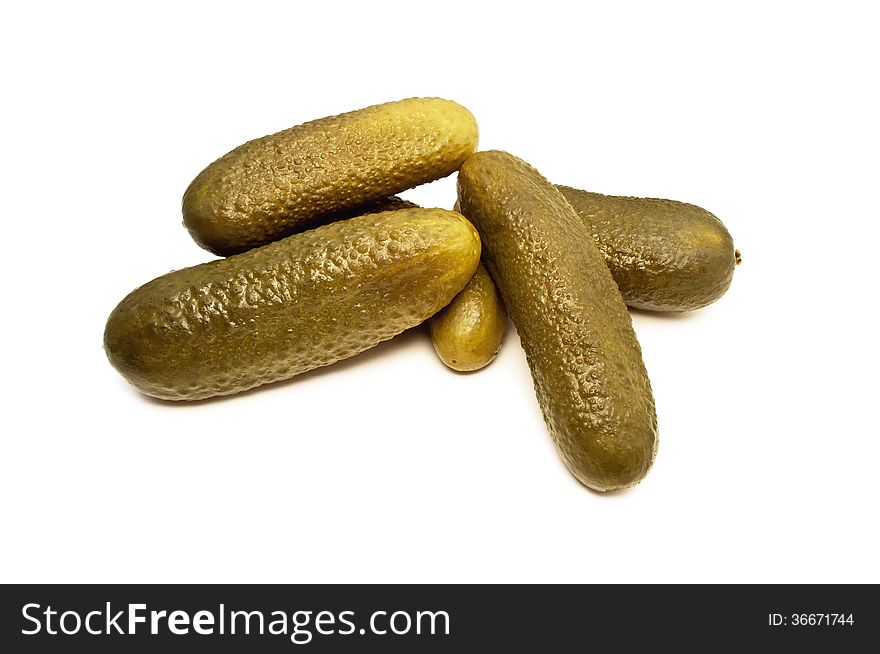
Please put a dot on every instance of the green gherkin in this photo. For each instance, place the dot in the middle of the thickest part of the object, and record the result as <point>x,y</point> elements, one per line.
<point>585,360</point>
<point>468,333</point>
<point>303,302</point>
<point>664,255</point>
<point>276,185</point>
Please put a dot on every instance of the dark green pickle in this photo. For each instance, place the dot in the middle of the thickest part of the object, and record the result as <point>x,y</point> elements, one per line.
<point>299,303</point>
<point>664,255</point>
<point>585,360</point>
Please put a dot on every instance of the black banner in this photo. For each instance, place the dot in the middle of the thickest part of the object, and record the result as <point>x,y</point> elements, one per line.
<point>435,618</point>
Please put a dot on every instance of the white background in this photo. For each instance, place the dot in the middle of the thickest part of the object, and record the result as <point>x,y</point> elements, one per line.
<point>389,467</point>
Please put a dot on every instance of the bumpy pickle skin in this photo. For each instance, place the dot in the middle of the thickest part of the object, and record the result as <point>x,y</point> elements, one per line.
<point>585,360</point>
<point>664,255</point>
<point>300,303</point>
<point>273,186</point>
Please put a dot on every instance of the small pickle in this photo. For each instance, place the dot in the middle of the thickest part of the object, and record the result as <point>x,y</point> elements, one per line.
<point>468,333</point>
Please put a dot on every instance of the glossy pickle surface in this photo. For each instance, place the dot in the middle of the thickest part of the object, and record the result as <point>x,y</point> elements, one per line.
<point>585,360</point>
<point>273,186</point>
<point>303,302</point>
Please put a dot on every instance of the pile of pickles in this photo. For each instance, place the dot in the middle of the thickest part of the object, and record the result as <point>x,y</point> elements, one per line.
<point>322,261</point>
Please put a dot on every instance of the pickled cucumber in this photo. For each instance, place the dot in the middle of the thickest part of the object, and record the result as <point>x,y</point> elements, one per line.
<point>664,255</point>
<point>585,360</point>
<point>299,303</point>
<point>276,185</point>
<point>468,333</point>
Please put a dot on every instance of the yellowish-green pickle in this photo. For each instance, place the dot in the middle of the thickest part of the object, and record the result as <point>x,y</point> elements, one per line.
<point>468,333</point>
<point>585,360</point>
<point>299,303</point>
<point>276,185</point>
<point>664,255</point>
